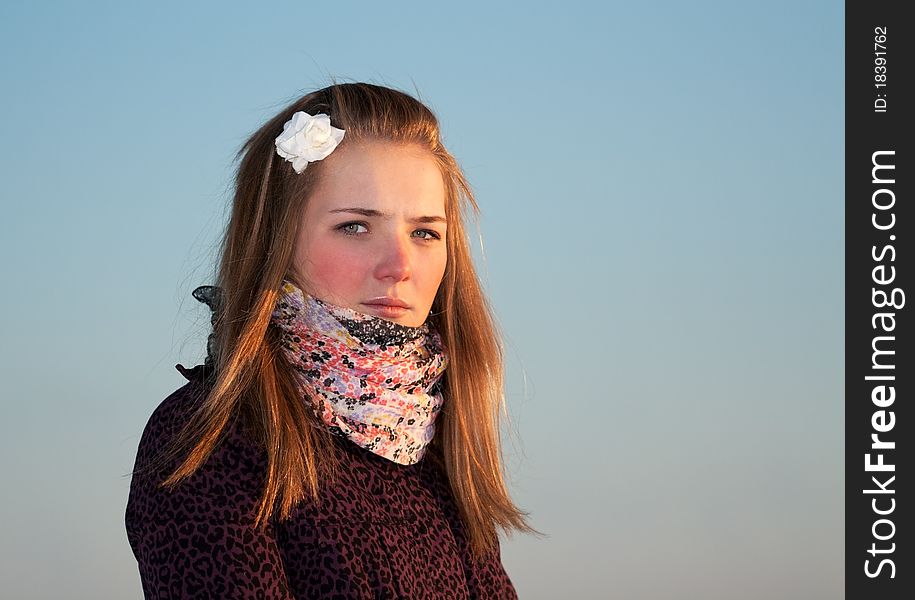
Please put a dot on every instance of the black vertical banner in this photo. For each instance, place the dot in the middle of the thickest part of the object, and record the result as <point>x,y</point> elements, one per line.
<point>879,369</point>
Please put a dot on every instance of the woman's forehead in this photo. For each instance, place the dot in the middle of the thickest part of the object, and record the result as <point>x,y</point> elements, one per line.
<point>388,177</point>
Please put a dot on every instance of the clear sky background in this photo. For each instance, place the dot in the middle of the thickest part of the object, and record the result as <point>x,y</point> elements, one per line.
<point>662,195</point>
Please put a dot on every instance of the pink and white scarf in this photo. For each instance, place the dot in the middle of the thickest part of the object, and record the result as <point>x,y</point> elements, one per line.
<point>371,380</point>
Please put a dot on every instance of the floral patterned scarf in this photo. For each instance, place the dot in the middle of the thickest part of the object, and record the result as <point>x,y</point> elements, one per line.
<point>371,380</point>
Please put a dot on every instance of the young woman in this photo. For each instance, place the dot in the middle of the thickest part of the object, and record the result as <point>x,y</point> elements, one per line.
<point>341,439</point>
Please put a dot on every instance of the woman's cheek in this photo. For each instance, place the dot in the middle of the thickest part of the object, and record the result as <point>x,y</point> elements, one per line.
<point>340,269</point>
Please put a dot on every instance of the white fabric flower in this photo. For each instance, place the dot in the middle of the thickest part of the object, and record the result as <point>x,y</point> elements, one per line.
<point>307,138</point>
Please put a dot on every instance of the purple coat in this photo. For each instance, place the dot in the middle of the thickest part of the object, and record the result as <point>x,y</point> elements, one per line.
<point>383,531</point>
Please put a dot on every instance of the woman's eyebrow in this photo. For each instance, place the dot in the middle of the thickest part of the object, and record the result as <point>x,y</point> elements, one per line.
<point>371,212</point>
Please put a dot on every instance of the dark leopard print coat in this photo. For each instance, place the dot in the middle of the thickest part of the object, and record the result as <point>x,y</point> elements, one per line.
<point>383,531</point>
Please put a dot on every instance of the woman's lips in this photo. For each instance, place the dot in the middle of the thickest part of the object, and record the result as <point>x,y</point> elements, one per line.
<point>387,311</point>
<point>387,301</point>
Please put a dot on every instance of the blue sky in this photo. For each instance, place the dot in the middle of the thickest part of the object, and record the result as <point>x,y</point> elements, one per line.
<point>662,198</point>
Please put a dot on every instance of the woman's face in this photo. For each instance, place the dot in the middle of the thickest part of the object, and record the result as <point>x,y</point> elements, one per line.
<point>374,227</point>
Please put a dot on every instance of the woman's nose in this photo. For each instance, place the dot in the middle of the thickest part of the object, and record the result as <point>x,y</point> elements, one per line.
<point>395,260</point>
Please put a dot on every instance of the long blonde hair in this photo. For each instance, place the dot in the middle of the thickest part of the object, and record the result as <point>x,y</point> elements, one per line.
<point>251,377</point>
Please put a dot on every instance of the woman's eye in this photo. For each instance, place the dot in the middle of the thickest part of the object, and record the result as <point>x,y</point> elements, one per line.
<point>344,227</point>
<point>434,235</point>
<point>347,229</point>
